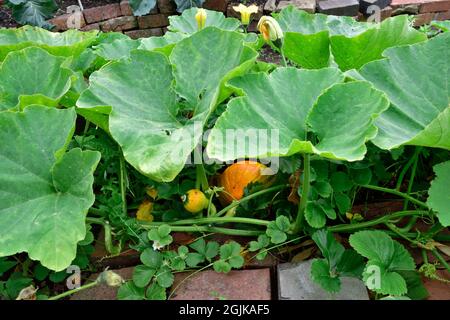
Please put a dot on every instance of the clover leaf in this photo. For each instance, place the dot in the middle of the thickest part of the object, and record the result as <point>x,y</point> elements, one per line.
<point>161,236</point>
<point>230,257</point>
<point>204,251</point>
<point>277,229</point>
<point>259,245</point>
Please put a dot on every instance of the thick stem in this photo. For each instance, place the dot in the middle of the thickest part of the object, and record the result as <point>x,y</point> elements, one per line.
<point>249,197</point>
<point>381,220</point>
<point>68,293</point>
<point>212,220</point>
<point>411,178</point>
<point>122,181</point>
<point>231,232</point>
<point>441,259</point>
<point>201,181</point>
<point>402,174</point>
<point>397,193</point>
<point>305,192</point>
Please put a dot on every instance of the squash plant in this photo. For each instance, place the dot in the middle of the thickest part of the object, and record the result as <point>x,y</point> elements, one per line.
<point>343,99</point>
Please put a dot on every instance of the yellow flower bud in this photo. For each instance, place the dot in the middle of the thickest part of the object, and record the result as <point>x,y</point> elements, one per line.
<point>246,12</point>
<point>201,18</point>
<point>269,28</point>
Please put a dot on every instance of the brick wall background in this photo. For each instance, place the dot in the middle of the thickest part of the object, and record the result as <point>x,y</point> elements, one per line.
<point>119,17</point>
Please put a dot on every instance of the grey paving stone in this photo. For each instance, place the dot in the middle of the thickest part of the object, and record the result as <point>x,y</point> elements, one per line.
<point>294,283</point>
<point>339,7</point>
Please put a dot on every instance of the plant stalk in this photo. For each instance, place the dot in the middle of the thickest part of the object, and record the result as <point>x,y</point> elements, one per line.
<point>381,220</point>
<point>70,292</point>
<point>305,193</point>
<point>227,231</point>
<point>397,193</point>
<point>441,259</point>
<point>249,197</point>
<point>212,220</point>
<point>122,181</point>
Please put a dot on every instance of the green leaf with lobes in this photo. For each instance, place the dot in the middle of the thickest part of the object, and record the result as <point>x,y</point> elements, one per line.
<point>439,195</point>
<point>187,24</point>
<point>314,40</point>
<point>420,114</point>
<point>50,194</point>
<point>145,120</point>
<point>23,83</point>
<point>70,43</point>
<point>289,102</point>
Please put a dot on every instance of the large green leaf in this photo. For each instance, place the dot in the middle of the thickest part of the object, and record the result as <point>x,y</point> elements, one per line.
<point>147,117</point>
<point>34,12</point>
<point>284,104</point>
<point>186,22</point>
<point>23,82</point>
<point>163,44</point>
<point>142,7</point>
<point>66,44</point>
<point>416,79</point>
<point>116,49</point>
<point>439,195</point>
<point>183,5</point>
<point>45,192</point>
<point>310,38</point>
<point>352,52</point>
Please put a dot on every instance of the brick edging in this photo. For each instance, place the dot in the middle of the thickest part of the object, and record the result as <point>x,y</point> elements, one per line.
<point>119,17</point>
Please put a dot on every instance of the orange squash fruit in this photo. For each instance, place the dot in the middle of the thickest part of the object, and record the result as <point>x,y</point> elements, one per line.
<point>237,177</point>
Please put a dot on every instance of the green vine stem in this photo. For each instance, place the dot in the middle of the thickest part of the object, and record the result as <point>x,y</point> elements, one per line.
<point>227,231</point>
<point>70,292</point>
<point>304,197</point>
<point>386,218</point>
<point>122,181</point>
<point>441,259</point>
<point>405,169</point>
<point>236,203</point>
<point>397,193</point>
<point>413,220</point>
<point>212,220</point>
<point>201,178</point>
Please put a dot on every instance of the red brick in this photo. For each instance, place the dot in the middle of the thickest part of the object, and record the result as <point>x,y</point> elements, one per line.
<point>103,292</point>
<point>144,33</point>
<point>435,6</point>
<point>102,13</point>
<point>400,3</point>
<point>89,27</point>
<point>438,290</point>
<point>65,22</point>
<point>443,15</point>
<point>235,285</point>
<point>166,6</point>
<point>125,8</point>
<point>423,18</point>
<point>386,13</point>
<point>119,24</point>
<point>216,5</point>
<point>153,21</point>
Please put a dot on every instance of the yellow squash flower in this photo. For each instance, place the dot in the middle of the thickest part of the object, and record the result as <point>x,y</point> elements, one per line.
<point>246,12</point>
<point>144,212</point>
<point>269,28</point>
<point>201,18</point>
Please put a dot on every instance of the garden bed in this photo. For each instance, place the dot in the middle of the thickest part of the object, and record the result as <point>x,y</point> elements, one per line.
<point>217,163</point>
